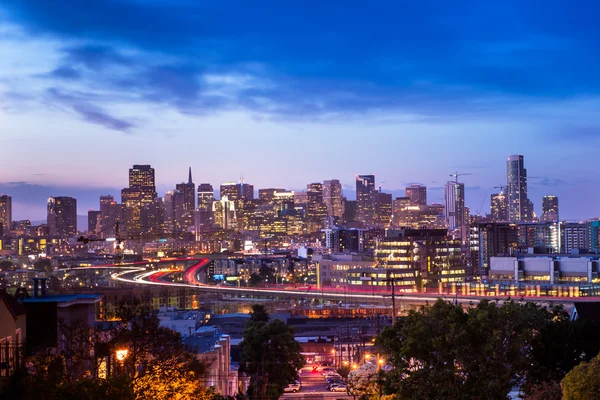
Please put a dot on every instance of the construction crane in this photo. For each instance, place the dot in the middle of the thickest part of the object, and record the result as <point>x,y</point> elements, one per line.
<point>501,187</point>
<point>455,175</point>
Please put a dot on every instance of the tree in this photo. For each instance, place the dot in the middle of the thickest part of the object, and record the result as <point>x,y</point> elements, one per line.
<point>444,352</point>
<point>344,370</point>
<point>582,382</point>
<point>363,381</point>
<point>545,391</point>
<point>6,265</point>
<point>270,355</point>
<point>157,364</point>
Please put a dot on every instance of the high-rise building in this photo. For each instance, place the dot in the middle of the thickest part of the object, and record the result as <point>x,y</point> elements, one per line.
<point>62,216</point>
<point>225,214</point>
<point>267,195</point>
<point>520,208</point>
<point>417,194</point>
<point>366,198</point>
<point>189,193</point>
<point>455,205</point>
<point>349,210</point>
<point>94,221</point>
<point>141,192</point>
<point>549,209</point>
<point>498,239</point>
<point>332,196</point>
<point>142,176</point>
<point>499,211</point>
<point>237,191</point>
<point>383,212</point>
<point>576,236</point>
<point>152,218</point>
<point>111,213</point>
<point>316,210</point>
<point>204,215</point>
<point>5,213</point>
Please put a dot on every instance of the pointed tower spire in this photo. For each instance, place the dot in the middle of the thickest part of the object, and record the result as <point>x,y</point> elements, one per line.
<point>190,176</point>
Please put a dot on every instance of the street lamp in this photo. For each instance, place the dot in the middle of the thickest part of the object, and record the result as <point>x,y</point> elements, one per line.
<point>121,355</point>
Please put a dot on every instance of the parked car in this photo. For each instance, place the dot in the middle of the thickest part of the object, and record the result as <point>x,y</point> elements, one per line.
<point>292,387</point>
<point>338,388</point>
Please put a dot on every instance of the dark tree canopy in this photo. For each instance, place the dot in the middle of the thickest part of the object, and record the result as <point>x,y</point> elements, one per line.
<point>270,355</point>
<point>444,352</point>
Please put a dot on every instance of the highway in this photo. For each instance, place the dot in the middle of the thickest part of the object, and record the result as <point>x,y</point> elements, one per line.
<point>139,274</point>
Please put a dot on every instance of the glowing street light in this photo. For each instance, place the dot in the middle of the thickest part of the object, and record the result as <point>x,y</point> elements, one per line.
<point>121,354</point>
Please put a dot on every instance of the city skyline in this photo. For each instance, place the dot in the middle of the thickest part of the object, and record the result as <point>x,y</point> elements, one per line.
<point>88,198</point>
<point>414,93</point>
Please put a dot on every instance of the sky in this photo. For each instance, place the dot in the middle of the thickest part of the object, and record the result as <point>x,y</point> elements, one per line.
<point>285,93</point>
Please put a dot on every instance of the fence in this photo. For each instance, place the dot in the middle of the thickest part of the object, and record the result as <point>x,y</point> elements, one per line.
<point>11,358</point>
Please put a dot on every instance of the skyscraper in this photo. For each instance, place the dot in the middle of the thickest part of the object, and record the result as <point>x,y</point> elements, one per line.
<point>268,195</point>
<point>141,192</point>
<point>383,212</point>
<point>366,198</point>
<point>455,207</point>
<point>5,213</point>
<point>237,191</point>
<point>206,198</point>
<point>417,195</point>
<point>498,207</point>
<point>94,221</point>
<point>189,193</point>
<point>110,214</point>
<point>520,208</point>
<point>332,197</point>
<point>316,210</point>
<point>550,209</point>
<point>62,216</point>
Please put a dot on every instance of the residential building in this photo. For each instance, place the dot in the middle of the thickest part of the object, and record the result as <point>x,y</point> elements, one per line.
<point>499,210</point>
<point>455,208</point>
<point>520,208</point>
<point>549,209</point>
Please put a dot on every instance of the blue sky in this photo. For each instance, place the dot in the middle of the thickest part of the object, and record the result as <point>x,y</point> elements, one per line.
<point>286,93</point>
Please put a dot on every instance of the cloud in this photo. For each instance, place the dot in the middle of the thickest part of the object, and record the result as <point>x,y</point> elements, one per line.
<point>65,72</point>
<point>89,112</point>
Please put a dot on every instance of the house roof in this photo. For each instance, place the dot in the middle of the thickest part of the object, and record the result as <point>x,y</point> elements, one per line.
<point>12,304</point>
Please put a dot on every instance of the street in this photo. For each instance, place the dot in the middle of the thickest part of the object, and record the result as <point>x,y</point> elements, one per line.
<point>314,387</point>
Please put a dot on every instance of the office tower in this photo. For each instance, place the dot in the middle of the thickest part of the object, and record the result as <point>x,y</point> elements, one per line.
<point>152,217</point>
<point>246,191</point>
<point>498,207</point>
<point>141,191</point>
<point>416,258</point>
<point>225,214</point>
<point>300,198</point>
<point>332,196</point>
<point>400,208</point>
<point>417,195</point>
<point>349,210</point>
<point>5,213</point>
<point>175,214</point>
<point>383,211</point>
<point>229,190</point>
<point>94,221</point>
<point>110,213</point>
<point>366,198</point>
<point>455,207</point>
<point>189,193</point>
<point>268,195</point>
<point>497,239</point>
<point>141,176</point>
<point>316,210</point>
<point>549,209</point>
<point>204,215</point>
<point>237,191</point>
<point>62,216</point>
<point>520,208</point>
